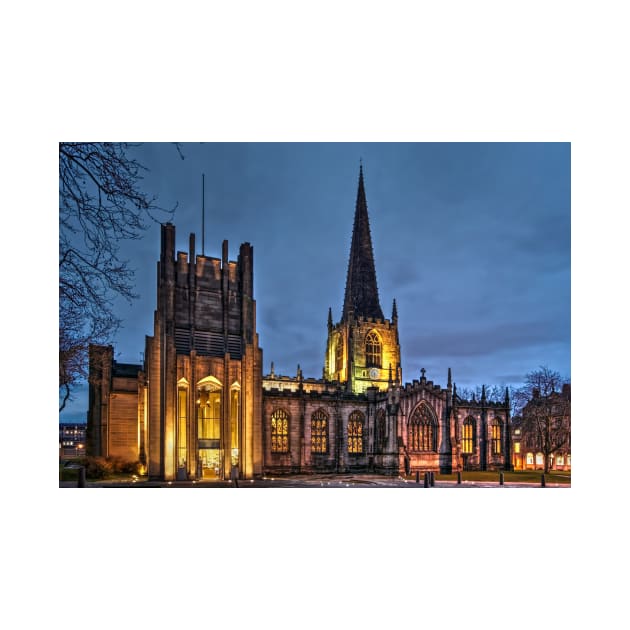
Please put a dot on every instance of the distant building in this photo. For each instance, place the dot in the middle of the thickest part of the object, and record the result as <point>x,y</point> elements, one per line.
<point>200,407</point>
<point>543,428</point>
<point>71,440</point>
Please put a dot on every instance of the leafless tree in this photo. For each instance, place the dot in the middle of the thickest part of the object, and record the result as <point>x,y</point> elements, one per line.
<point>101,203</point>
<point>494,393</point>
<point>544,404</point>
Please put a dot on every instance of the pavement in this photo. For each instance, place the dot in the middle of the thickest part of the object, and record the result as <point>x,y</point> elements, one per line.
<point>304,481</point>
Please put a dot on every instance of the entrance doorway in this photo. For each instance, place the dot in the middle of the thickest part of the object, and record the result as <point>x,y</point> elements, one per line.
<point>211,462</point>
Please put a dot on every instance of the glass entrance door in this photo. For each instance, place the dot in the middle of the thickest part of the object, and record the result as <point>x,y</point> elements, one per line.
<point>211,461</point>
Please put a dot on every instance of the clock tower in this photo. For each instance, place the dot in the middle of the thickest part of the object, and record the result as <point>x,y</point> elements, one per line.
<point>363,349</point>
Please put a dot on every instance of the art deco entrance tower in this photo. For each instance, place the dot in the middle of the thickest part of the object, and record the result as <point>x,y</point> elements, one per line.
<point>363,348</point>
<point>203,367</point>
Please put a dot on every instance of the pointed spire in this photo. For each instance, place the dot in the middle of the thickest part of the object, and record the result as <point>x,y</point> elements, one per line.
<point>448,384</point>
<point>394,311</point>
<point>361,298</point>
<point>507,397</point>
<point>483,393</point>
<point>330,322</point>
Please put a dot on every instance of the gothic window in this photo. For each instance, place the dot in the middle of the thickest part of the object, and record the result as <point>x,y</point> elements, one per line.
<point>279,431</point>
<point>422,429</point>
<point>209,415</point>
<point>381,428</point>
<point>319,432</point>
<point>182,422</point>
<point>355,432</point>
<point>339,353</point>
<point>372,350</point>
<point>497,436</point>
<point>468,436</point>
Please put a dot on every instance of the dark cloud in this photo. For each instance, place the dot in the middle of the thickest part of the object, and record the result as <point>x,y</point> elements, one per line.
<point>473,241</point>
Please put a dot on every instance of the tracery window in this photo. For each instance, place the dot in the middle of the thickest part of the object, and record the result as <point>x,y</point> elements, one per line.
<point>381,428</point>
<point>355,432</point>
<point>279,431</point>
<point>422,429</point>
<point>182,423</point>
<point>372,350</point>
<point>496,436</point>
<point>319,432</point>
<point>339,353</point>
<point>468,436</point>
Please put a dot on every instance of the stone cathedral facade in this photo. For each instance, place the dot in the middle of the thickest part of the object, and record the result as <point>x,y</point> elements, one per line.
<point>200,407</point>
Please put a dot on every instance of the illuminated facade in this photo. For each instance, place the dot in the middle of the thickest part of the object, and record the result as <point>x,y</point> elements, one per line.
<point>200,407</point>
<point>197,399</point>
<point>363,348</point>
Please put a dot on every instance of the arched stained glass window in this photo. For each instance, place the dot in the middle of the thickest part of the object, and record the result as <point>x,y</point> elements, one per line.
<point>319,432</point>
<point>468,435</point>
<point>279,431</point>
<point>339,353</point>
<point>372,350</point>
<point>355,432</point>
<point>422,429</point>
<point>496,436</point>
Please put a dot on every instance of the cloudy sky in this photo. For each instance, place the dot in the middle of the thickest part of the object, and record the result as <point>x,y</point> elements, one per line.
<point>472,240</point>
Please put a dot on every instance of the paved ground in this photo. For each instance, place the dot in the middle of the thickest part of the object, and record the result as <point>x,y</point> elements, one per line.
<point>304,481</point>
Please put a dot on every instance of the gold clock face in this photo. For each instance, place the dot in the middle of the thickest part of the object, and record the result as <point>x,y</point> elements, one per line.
<point>374,373</point>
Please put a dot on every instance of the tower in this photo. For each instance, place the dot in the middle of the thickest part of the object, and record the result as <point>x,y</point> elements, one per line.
<point>203,367</point>
<point>363,349</point>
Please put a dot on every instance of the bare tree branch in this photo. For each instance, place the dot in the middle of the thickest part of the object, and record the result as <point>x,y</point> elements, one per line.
<point>101,204</point>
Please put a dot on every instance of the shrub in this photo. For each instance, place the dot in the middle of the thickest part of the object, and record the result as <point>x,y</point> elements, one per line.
<point>103,467</point>
<point>98,467</point>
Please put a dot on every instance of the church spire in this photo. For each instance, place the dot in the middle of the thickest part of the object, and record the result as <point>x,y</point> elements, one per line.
<point>361,298</point>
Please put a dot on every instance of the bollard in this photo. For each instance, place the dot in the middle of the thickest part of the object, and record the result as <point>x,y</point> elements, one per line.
<point>426,479</point>
<point>459,478</point>
<point>501,479</point>
<point>432,479</point>
<point>542,480</point>
<point>81,478</point>
<point>417,476</point>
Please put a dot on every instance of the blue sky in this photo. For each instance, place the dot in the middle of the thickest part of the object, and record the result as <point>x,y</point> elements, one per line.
<point>471,239</point>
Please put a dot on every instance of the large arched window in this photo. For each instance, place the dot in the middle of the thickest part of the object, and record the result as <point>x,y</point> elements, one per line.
<point>182,421</point>
<point>372,350</point>
<point>339,353</point>
<point>209,408</point>
<point>381,430</point>
<point>355,432</point>
<point>279,431</point>
<point>468,436</point>
<point>496,436</point>
<point>319,432</point>
<point>235,403</point>
<point>422,429</point>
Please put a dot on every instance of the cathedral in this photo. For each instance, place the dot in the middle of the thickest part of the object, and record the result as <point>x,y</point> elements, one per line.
<point>200,407</point>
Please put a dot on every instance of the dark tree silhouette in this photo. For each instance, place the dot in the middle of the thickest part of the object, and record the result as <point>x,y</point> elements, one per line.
<point>544,406</point>
<point>101,203</point>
